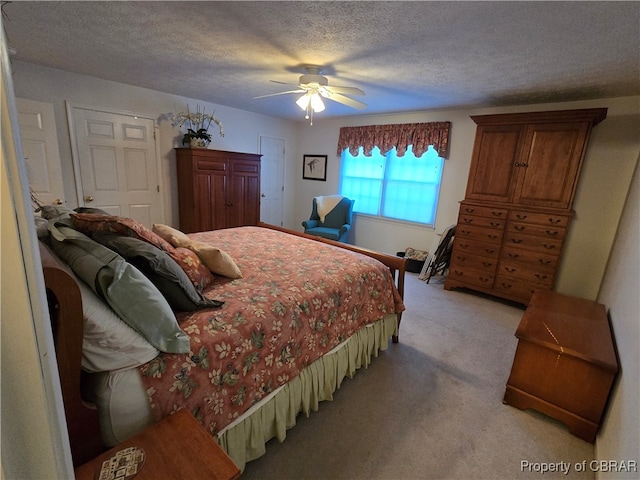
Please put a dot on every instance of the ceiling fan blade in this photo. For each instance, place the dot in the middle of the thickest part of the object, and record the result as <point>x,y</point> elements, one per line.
<point>349,102</point>
<point>345,90</point>
<point>280,93</point>
<point>285,83</point>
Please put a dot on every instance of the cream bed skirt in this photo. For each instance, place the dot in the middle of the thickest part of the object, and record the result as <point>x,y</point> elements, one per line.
<point>124,408</point>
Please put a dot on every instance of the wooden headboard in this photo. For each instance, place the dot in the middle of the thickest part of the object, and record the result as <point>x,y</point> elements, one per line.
<point>65,310</point>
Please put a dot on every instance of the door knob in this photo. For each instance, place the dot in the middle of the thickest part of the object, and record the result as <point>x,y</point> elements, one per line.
<point>88,198</point>
<point>57,201</point>
<point>263,195</point>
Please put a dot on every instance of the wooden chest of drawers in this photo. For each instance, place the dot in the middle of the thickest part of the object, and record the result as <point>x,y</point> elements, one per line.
<point>565,361</point>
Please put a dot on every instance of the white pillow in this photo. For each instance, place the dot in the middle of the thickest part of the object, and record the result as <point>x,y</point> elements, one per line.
<point>109,343</point>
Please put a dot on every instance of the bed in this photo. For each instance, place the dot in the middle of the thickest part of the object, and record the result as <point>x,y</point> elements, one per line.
<point>300,315</point>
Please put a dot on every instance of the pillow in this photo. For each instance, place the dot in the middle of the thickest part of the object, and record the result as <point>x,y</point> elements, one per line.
<point>123,287</point>
<point>216,260</point>
<point>56,213</point>
<point>197,271</point>
<point>88,223</point>
<point>108,343</point>
<point>42,227</point>
<point>96,211</point>
<point>166,232</point>
<point>160,268</point>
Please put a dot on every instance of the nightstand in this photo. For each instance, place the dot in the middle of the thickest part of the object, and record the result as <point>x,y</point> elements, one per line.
<point>177,447</point>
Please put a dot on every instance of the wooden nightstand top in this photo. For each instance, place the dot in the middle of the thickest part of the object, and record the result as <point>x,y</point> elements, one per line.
<point>178,447</point>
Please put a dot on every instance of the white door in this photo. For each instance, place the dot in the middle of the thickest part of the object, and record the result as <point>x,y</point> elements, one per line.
<point>40,148</point>
<point>116,156</point>
<point>272,180</point>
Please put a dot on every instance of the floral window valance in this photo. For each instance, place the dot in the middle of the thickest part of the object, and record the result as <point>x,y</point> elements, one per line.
<point>399,135</point>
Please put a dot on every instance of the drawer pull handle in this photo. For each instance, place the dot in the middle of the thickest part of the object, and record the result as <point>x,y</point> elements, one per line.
<point>483,279</point>
<point>490,250</point>
<point>495,224</point>
<point>458,273</point>
<point>516,240</point>
<point>509,269</point>
<point>548,247</point>
<point>519,228</point>
<point>555,221</point>
<point>462,245</point>
<point>514,255</point>
<point>468,220</point>
<point>461,259</point>
<point>487,264</point>
<point>492,237</point>
<point>552,233</point>
<point>469,210</point>
<point>466,232</point>
<point>540,276</point>
<point>544,262</point>
<point>522,216</point>
<point>506,285</point>
<point>496,214</point>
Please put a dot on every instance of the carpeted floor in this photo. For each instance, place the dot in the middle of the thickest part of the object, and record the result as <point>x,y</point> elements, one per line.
<point>430,407</point>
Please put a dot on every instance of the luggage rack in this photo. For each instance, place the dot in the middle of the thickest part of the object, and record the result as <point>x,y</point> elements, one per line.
<point>438,263</point>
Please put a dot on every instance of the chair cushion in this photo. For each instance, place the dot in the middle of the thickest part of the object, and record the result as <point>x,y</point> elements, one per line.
<point>325,232</point>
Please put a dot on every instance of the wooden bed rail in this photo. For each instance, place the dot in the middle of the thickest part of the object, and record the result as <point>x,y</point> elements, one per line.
<point>67,323</point>
<point>395,264</point>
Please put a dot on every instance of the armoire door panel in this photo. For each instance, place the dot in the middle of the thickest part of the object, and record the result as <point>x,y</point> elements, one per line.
<point>548,169</point>
<point>495,154</point>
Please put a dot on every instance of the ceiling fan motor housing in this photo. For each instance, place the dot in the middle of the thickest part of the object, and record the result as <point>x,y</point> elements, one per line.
<point>313,81</point>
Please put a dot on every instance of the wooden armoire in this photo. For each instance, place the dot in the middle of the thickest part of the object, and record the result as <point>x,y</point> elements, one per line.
<point>518,204</point>
<point>217,189</point>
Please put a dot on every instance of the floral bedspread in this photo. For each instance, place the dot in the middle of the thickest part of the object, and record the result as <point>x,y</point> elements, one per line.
<point>297,300</point>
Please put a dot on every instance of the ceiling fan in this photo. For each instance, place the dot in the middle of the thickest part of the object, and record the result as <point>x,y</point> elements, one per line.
<point>314,88</point>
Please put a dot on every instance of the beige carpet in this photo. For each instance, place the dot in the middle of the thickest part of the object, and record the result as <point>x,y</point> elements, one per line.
<point>430,407</point>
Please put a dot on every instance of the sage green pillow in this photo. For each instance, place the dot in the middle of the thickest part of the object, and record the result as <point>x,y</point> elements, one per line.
<point>123,287</point>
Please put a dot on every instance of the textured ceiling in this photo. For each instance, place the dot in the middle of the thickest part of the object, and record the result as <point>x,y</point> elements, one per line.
<point>405,55</point>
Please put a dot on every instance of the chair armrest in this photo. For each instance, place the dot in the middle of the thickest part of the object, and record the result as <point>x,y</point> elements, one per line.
<point>310,223</point>
<point>345,228</point>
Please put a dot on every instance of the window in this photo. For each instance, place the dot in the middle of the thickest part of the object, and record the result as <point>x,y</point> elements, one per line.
<point>387,185</point>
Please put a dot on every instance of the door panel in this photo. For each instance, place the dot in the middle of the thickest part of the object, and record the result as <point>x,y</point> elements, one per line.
<point>549,170</point>
<point>272,180</point>
<point>118,164</point>
<point>40,148</point>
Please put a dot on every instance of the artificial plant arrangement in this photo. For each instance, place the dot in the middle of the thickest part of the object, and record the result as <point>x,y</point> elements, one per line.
<point>198,124</point>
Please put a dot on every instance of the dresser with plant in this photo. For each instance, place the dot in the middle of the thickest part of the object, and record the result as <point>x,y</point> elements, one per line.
<point>517,208</point>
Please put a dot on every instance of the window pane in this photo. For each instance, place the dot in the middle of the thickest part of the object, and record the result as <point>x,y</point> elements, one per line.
<point>403,188</point>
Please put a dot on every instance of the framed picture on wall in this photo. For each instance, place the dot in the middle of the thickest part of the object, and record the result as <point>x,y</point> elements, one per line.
<point>314,167</point>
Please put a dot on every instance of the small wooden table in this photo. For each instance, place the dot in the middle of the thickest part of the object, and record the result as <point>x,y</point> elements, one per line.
<point>565,362</point>
<point>177,447</point>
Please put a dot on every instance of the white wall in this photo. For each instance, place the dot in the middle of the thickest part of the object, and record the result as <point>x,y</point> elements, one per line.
<point>620,433</point>
<point>606,175</point>
<point>242,129</point>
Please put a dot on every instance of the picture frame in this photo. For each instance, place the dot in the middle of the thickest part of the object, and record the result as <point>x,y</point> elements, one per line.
<point>314,167</point>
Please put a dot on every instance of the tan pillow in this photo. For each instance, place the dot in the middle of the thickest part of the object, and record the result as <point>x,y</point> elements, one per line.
<point>166,232</point>
<point>216,260</point>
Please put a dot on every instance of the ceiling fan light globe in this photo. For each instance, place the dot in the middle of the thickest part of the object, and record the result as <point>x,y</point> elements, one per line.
<point>316,102</point>
<point>303,101</point>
